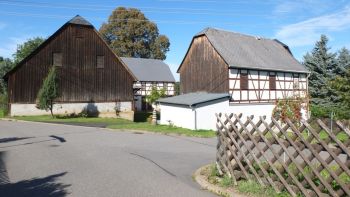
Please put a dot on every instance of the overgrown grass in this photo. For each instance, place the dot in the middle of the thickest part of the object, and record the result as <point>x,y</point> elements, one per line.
<point>253,188</point>
<point>121,124</point>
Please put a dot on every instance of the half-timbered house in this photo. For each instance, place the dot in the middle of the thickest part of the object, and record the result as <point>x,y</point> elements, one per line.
<point>91,76</point>
<point>254,71</point>
<point>149,73</point>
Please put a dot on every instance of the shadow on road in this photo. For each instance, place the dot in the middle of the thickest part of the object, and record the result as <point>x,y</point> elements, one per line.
<point>46,186</point>
<point>11,139</point>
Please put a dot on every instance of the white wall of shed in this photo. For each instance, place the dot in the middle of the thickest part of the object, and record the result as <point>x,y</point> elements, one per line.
<point>178,115</point>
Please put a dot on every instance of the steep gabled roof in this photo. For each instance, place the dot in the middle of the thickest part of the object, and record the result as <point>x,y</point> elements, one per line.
<point>149,69</point>
<point>77,20</point>
<point>244,51</point>
<point>193,99</point>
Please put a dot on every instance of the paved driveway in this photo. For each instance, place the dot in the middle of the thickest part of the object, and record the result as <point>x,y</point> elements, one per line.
<point>39,159</point>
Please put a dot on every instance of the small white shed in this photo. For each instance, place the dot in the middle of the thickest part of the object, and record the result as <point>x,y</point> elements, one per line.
<point>194,110</point>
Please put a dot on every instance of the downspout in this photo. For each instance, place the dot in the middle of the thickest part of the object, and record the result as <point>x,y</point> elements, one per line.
<point>307,96</point>
<point>195,116</point>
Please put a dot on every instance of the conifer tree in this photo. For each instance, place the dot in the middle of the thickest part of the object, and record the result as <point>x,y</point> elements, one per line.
<point>322,65</point>
<point>343,60</point>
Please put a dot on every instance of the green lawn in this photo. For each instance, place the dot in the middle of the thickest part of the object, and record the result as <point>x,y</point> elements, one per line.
<point>120,124</point>
<point>2,113</point>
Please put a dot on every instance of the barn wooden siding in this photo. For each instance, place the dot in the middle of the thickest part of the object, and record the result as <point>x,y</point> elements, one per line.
<point>203,69</point>
<point>80,80</point>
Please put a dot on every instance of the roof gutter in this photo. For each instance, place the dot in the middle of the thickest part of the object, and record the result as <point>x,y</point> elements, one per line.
<point>276,70</point>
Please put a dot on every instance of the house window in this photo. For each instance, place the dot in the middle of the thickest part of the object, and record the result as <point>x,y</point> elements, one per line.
<point>57,59</point>
<point>272,81</point>
<point>100,61</point>
<point>296,81</point>
<point>244,80</point>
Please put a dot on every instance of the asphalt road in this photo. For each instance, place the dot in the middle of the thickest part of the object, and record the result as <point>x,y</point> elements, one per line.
<point>39,159</point>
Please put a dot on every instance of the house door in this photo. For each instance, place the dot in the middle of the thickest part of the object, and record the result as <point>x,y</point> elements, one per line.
<point>145,105</point>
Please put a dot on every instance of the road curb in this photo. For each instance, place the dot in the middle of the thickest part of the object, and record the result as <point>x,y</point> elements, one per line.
<point>203,182</point>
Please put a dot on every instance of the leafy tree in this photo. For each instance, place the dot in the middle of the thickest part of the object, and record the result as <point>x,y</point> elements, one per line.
<point>154,95</point>
<point>48,92</point>
<point>322,64</point>
<point>343,60</point>
<point>23,50</point>
<point>129,33</point>
<point>5,66</point>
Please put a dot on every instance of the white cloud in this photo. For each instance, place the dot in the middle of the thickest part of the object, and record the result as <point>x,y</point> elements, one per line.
<point>10,47</point>
<point>173,69</point>
<point>303,6</point>
<point>307,32</point>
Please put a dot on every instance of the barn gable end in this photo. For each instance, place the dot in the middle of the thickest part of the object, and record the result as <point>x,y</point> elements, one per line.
<point>203,69</point>
<point>80,79</point>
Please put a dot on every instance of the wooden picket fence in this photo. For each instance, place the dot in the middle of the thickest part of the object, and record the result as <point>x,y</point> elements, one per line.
<point>285,156</point>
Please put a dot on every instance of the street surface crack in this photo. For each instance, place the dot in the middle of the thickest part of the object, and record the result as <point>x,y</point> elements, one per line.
<point>155,163</point>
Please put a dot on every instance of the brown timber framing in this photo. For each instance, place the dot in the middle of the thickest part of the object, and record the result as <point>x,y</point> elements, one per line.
<point>80,79</point>
<point>146,87</point>
<point>260,91</point>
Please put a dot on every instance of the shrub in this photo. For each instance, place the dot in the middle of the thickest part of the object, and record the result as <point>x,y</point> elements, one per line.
<point>320,111</point>
<point>289,108</point>
<point>3,104</point>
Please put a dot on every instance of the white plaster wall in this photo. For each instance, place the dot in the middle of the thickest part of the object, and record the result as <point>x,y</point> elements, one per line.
<point>205,114</point>
<point>206,118</point>
<point>178,115</point>
<point>69,108</point>
<point>252,109</point>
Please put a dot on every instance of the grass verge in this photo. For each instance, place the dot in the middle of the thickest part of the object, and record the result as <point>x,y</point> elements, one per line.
<point>2,113</point>
<point>249,188</point>
<point>117,123</point>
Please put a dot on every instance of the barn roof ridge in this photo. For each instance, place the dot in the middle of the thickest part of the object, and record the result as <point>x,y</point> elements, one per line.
<point>204,31</point>
<point>79,20</point>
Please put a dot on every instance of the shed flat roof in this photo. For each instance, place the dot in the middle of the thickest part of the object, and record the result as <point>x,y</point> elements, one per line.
<point>192,99</point>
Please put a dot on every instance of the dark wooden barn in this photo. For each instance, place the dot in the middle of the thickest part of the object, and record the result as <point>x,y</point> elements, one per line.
<point>88,70</point>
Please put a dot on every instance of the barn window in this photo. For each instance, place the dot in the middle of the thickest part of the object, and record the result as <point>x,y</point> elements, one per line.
<point>100,61</point>
<point>57,59</point>
<point>244,80</point>
<point>272,81</point>
<point>79,32</point>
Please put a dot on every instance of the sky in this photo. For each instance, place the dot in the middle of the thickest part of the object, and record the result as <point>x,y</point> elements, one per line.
<point>297,23</point>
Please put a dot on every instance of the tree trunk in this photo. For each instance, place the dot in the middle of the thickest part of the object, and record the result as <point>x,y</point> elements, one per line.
<point>154,117</point>
<point>51,108</point>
